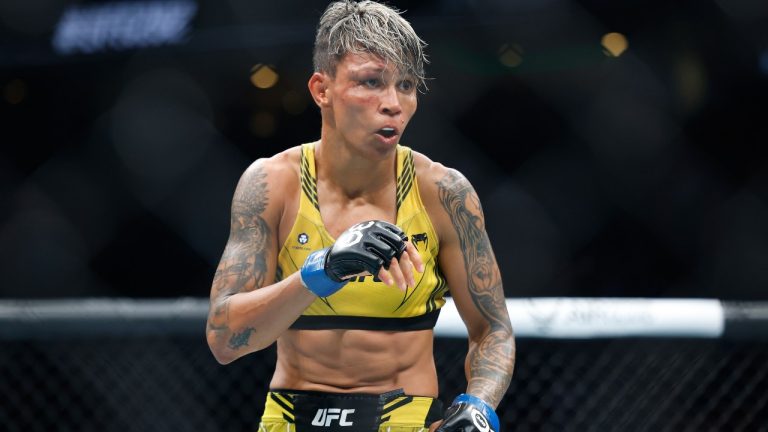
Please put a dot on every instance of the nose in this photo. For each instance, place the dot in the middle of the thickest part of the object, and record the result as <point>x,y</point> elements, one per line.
<point>390,101</point>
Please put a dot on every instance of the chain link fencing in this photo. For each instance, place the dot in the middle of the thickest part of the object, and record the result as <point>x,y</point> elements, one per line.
<point>582,365</point>
<point>158,383</point>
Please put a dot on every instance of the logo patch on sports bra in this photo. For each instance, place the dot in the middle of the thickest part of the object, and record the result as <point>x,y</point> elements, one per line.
<point>303,239</point>
<point>420,238</point>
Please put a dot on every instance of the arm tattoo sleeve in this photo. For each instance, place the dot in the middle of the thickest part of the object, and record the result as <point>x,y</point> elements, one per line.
<point>243,265</point>
<point>492,360</point>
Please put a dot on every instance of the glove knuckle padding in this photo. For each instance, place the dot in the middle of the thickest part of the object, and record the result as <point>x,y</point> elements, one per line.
<point>394,235</point>
<point>381,249</point>
<point>365,247</point>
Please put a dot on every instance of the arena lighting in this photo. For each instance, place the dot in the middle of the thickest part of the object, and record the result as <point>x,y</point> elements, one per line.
<point>614,44</point>
<point>511,56</point>
<point>120,26</point>
<point>263,76</point>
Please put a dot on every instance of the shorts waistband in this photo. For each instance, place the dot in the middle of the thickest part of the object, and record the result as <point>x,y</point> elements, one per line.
<point>311,410</point>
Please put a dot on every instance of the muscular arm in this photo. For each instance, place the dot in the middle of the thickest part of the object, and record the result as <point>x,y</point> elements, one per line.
<point>247,313</point>
<point>477,289</point>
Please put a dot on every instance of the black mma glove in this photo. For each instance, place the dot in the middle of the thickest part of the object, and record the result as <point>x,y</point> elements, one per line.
<point>365,247</point>
<point>469,414</point>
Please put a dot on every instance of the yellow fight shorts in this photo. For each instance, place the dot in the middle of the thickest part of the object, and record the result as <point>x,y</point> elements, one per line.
<point>303,411</point>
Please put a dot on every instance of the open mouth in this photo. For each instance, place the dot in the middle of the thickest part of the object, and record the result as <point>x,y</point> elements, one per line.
<point>387,132</point>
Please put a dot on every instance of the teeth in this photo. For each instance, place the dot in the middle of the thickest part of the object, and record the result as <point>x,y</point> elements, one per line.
<point>387,132</point>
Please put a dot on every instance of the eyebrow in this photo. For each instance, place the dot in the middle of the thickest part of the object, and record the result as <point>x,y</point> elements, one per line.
<point>366,69</point>
<point>377,69</point>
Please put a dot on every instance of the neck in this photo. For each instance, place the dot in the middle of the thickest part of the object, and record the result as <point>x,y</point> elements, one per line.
<point>353,173</point>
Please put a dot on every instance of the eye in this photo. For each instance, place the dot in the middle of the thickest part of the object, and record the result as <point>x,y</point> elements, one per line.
<point>371,82</point>
<point>406,85</point>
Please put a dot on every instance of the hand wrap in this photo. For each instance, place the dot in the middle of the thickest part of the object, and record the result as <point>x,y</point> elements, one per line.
<point>362,249</point>
<point>469,414</point>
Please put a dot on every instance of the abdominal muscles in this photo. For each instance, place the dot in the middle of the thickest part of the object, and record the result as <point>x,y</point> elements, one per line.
<point>359,361</point>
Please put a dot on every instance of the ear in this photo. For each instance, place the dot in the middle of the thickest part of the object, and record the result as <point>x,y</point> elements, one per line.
<point>318,87</point>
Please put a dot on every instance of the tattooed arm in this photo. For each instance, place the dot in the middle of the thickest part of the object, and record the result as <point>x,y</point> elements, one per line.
<point>470,268</point>
<point>247,311</point>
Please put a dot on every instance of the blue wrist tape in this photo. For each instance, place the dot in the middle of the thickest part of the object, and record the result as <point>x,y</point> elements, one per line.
<point>313,275</point>
<point>481,406</point>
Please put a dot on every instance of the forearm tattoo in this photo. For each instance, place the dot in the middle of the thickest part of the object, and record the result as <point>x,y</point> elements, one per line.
<point>243,265</point>
<point>492,360</point>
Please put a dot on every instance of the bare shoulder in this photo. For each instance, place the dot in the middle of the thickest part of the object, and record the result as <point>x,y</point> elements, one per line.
<point>267,181</point>
<point>280,168</point>
<point>431,174</point>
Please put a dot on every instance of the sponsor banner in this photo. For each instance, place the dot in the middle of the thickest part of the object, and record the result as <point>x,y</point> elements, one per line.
<point>575,318</point>
<point>122,25</point>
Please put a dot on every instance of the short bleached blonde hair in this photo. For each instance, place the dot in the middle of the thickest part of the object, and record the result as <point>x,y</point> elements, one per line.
<point>368,27</point>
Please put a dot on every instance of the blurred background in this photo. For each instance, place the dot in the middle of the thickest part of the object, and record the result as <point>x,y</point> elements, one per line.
<point>619,148</point>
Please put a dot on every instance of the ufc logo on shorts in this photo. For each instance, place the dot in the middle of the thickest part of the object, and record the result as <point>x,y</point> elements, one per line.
<point>326,416</point>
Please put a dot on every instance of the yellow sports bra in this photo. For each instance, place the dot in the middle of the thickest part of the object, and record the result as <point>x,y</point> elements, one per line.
<point>365,302</point>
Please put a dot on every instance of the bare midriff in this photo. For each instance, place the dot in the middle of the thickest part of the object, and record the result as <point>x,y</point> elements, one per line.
<point>356,361</point>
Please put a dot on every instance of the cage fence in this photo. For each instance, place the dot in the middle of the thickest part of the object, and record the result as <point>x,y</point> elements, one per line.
<point>167,380</point>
